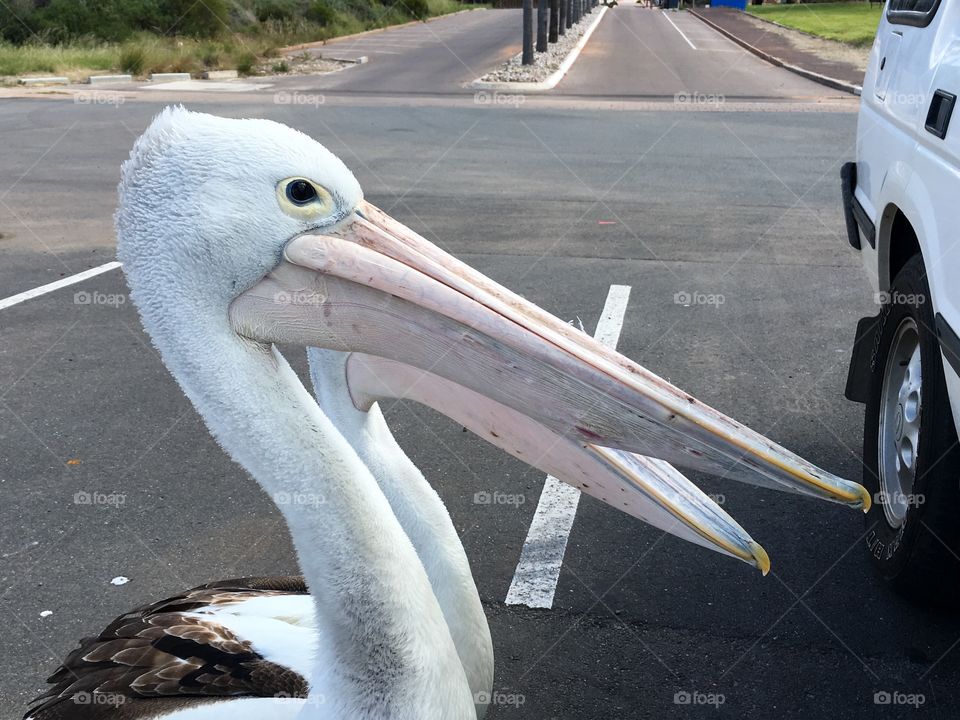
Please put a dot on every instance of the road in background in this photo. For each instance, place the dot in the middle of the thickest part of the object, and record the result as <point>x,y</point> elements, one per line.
<point>648,52</point>
<point>431,58</point>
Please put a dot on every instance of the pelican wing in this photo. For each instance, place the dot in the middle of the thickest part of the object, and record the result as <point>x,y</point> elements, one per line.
<point>164,655</point>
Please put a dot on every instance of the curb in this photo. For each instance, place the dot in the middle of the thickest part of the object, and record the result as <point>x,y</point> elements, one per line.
<point>219,75</point>
<point>105,79</point>
<point>803,72</point>
<point>554,79</point>
<point>169,77</point>
<point>321,43</point>
<point>363,59</point>
<point>43,81</point>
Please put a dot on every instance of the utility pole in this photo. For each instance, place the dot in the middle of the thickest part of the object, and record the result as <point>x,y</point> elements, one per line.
<point>543,13</point>
<point>554,21</point>
<point>527,57</point>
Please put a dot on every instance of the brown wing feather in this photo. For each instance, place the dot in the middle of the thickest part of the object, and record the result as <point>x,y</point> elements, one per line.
<point>157,658</point>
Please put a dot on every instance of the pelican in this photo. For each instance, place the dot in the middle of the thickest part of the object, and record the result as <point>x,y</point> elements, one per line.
<point>240,235</point>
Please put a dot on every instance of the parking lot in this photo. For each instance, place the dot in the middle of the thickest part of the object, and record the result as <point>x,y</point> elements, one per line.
<point>726,227</point>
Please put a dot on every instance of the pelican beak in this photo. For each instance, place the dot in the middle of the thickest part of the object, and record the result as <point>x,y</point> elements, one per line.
<point>648,489</point>
<point>376,287</point>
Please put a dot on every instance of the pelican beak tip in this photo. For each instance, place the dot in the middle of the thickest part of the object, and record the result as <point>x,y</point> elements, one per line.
<point>760,557</point>
<point>866,502</point>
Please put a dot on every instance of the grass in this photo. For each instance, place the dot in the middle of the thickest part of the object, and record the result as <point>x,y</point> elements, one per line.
<point>148,53</point>
<point>854,23</point>
<point>20,60</point>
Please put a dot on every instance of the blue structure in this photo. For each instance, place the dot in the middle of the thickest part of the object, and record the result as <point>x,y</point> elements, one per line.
<point>738,4</point>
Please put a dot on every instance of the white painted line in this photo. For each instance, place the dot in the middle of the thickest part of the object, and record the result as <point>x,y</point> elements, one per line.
<point>678,29</point>
<point>535,579</point>
<point>62,283</point>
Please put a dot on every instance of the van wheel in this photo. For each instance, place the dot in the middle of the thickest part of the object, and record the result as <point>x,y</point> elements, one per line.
<point>911,460</point>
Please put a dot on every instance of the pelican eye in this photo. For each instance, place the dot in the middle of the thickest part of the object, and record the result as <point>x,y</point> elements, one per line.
<point>301,193</point>
<point>305,200</point>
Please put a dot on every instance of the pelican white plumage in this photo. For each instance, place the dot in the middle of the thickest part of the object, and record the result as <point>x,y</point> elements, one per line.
<point>239,234</point>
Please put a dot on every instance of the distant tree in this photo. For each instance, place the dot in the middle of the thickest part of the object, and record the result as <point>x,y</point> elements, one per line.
<point>202,19</point>
<point>320,13</point>
<point>416,8</point>
<point>275,10</point>
<point>16,21</point>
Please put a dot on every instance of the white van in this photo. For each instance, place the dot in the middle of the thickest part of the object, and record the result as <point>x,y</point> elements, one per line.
<point>901,200</point>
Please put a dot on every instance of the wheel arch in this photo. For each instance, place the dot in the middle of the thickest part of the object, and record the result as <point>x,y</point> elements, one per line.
<point>897,242</point>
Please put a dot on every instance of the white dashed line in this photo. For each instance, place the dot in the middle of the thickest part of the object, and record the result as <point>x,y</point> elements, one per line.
<point>62,283</point>
<point>535,579</point>
<point>664,12</point>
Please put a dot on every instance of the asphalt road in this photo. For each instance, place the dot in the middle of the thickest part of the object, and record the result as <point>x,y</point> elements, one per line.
<point>557,199</point>
<point>434,57</point>
<point>647,52</point>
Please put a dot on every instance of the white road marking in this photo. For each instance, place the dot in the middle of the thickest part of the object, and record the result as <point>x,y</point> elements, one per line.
<point>535,579</point>
<point>63,282</point>
<point>678,29</point>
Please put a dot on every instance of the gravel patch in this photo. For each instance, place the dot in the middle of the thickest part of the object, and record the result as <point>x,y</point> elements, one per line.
<point>303,63</point>
<point>545,63</point>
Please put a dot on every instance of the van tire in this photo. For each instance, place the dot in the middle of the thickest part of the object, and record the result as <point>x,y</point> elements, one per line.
<point>913,543</point>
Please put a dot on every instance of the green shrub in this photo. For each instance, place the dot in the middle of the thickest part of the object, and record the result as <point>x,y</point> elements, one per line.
<point>419,9</point>
<point>133,59</point>
<point>210,56</point>
<point>246,63</point>
<point>198,19</point>
<point>117,20</point>
<point>16,24</point>
<point>281,67</point>
<point>320,13</point>
<point>182,63</point>
<point>275,10</point>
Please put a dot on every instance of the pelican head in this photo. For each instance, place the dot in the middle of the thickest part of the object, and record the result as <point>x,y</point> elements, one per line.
<point>228,194</point>
<point>266,232</point>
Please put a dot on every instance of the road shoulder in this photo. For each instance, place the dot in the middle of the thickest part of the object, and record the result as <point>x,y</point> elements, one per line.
<point>773,44</point>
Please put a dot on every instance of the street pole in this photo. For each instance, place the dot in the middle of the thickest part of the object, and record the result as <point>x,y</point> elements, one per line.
<point>527,57</point>
<point>554,21</point>
<point>543,15</point>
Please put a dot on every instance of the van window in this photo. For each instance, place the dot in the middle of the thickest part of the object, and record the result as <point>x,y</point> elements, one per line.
<point>918,13</point>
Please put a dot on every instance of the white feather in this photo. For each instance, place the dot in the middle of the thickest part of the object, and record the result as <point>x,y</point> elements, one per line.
<point>199,223</point>
<point>281,628</point>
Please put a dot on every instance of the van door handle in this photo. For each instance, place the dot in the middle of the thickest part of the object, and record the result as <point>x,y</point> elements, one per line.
<point>938,116</point>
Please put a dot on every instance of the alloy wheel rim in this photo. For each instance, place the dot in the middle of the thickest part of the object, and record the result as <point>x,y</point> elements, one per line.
<point>899,432</point>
